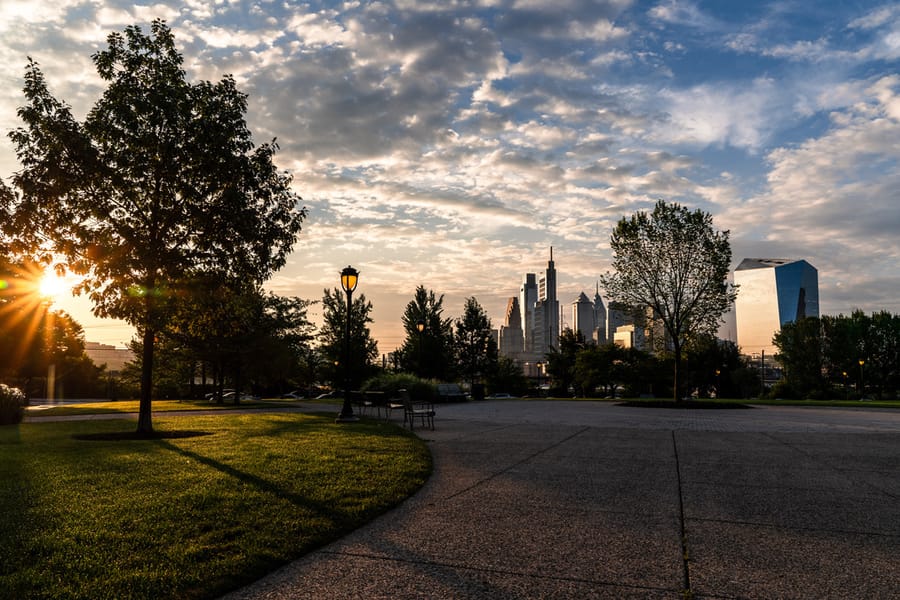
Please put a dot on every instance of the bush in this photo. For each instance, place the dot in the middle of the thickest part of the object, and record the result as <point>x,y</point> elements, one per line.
<point>12,405</point>
<point>783,390</point>
<point>392,383</point>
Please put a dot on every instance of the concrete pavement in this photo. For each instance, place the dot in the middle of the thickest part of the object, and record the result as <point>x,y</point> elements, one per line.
<point>592,500</point>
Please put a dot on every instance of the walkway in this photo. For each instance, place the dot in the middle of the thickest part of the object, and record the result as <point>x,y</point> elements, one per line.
<point>589,500</point>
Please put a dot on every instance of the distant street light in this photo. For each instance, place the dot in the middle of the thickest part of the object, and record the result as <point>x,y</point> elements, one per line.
<point>862,384</point>
<point>420,327</point>
<point>349,279</point>
<point>540,371</point>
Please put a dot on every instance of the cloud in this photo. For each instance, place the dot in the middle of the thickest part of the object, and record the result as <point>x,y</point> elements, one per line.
<point>451,143</point>
<point>832,199</point>
<point>743,116</point>
<point>682,12</point>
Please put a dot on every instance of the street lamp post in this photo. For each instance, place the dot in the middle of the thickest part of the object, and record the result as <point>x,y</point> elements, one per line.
<point>420,327</point>
<point>862,384</point>
<point>349,279</point>
<point>540,370</point>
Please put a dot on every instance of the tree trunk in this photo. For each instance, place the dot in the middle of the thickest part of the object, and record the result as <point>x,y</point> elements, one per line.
<point>677,383</point>
<point>145,420</point>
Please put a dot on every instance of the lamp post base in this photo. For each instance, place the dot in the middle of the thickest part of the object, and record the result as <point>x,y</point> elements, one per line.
<point>346,415</point>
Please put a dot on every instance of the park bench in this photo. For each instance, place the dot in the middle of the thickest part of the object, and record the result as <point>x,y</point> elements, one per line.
<point>450,392</point>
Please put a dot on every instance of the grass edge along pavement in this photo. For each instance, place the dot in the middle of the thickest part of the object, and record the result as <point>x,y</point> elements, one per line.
<point>188,517</point>
<point>110,407</point>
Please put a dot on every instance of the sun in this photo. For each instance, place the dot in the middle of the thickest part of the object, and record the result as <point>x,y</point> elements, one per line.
<point>53,286</point>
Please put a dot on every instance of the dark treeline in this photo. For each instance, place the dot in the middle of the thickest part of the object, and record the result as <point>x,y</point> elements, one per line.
<point>840,357</point>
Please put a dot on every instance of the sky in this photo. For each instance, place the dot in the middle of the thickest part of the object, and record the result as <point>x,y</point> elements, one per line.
<point>451,144</point>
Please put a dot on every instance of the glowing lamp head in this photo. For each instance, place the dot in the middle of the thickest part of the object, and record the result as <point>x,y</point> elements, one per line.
<point>349,279</point>
<point>420,325</point>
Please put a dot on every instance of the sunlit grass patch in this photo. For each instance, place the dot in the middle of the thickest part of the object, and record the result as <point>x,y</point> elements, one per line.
<point>188,517</point>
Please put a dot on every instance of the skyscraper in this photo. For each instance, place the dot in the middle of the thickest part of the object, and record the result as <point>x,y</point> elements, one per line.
<point>512,342</point>
<point>599,334</point>
<point>772,292</point>
<point>547,315</point>
<point>583,317</point>
<point>528,297</point>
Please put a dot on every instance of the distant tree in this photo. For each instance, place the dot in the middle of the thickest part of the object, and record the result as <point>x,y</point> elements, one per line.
<point>160,183</point>
<point>597,369</point>
<point>883,355</point>
<point>800,352</point>
<point>475,348</point>
<point>429,353</point>
<point>673,262</point>
<point>711,366</point>
<point>34,338</point>
<point>233,336</point>
<point>874,339</point>
<point>561,361</point>
<point>280,352</point>
<point>507,378</point>
<point>363,348</point>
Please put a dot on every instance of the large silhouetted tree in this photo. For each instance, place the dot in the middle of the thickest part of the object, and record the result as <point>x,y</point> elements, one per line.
<point>159,184</point>
<point>672,266</point>
<point>476,350</point>
<point>427,353</point>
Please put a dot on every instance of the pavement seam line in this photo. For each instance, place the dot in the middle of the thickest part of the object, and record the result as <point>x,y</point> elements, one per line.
<point>509,572</point>
<point>685,552</point>
<point>761,525</point>
<point>516,464</point>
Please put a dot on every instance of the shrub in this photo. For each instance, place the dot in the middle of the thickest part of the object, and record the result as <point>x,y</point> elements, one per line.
<point>12,405</point>
<point>392,383</point>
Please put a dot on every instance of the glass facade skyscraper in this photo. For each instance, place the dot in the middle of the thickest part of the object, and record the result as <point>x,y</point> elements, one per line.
<point>772,292</point>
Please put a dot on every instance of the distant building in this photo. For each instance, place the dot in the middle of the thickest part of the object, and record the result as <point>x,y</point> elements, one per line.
<point>617,315</point>
<point>772,292</point>
<point>546,311</point>
<point>102,354</point>
<point>528,297</point>
<point>512,339</point>
<point>583,317</point>
<point>630,336</point>
<point>599,333</point>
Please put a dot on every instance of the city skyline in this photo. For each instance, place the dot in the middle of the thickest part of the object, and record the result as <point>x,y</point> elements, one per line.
<point>449,146</point>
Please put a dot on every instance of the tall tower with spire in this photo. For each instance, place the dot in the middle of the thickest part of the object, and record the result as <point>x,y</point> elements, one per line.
<point>528,297</point>
<point>546,321</point>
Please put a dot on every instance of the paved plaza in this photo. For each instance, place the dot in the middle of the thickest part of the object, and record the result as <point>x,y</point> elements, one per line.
<point>553,499</point>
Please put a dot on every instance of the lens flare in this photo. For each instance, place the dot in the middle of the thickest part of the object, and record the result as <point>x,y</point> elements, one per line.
<point>53,287</point>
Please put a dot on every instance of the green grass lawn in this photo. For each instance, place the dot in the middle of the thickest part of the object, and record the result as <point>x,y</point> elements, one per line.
<point>188,517</point>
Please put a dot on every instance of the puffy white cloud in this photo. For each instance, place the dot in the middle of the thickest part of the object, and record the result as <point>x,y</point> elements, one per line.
<point>744,116</point>
<point>451,143</point>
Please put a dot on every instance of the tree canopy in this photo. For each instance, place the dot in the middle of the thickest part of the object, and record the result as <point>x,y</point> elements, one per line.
<point>476,349</point>
<point>161,183</point>
<point>672,265</point>
<point>427,353</point>
<point>363,350</point>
